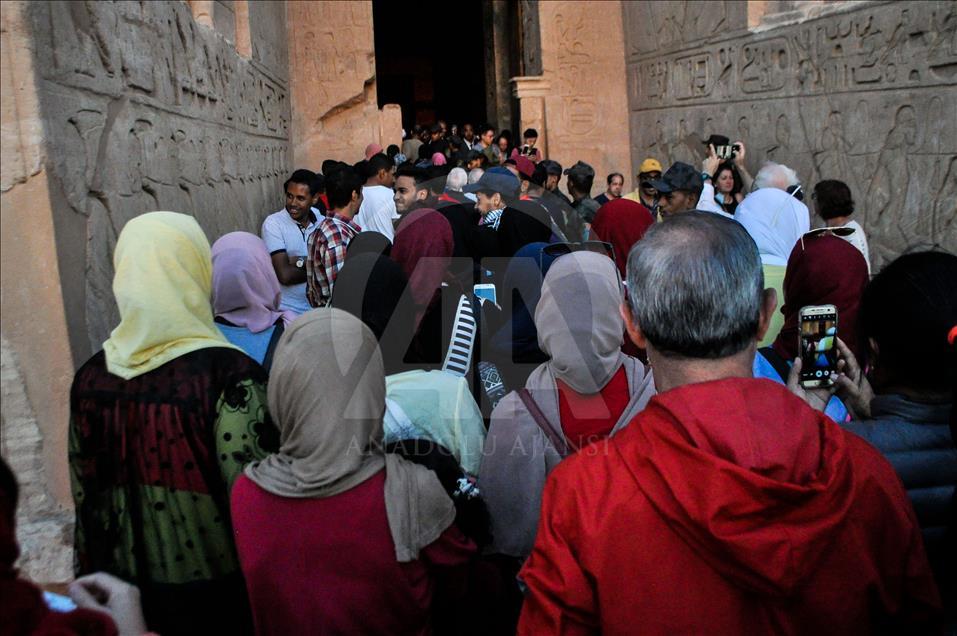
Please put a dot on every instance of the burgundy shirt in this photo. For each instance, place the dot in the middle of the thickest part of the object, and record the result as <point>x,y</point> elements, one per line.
<point>327,566</point>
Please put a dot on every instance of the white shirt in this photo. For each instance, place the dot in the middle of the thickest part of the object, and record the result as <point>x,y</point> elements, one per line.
<point>280,233</point>
<point>707,203</point>
<point>859,240</point>
<point>377,211</point>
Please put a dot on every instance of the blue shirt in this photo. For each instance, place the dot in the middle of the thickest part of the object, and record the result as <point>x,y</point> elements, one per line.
<point>763,369</point>
<point>254,344</point>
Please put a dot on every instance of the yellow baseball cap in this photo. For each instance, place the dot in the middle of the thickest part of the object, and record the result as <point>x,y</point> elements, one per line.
<point>650,165</point>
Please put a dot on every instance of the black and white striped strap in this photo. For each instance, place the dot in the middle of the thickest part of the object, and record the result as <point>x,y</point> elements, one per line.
<point>458,358</point>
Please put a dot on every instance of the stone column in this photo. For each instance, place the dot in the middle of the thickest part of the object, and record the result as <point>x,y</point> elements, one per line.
<point>531,93</point>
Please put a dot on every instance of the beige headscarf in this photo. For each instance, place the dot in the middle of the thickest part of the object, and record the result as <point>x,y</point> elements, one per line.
<point>580,327</point>
<point>163,286</point>
<point>327,397</point>
<point>578,321</point>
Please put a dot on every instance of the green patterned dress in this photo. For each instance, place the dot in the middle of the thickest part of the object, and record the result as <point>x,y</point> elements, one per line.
<point>152,461</point>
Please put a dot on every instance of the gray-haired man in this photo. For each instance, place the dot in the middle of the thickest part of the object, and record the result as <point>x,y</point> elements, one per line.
<point>728,505</point>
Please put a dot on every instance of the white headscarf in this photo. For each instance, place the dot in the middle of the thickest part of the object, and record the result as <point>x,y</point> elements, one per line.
<point>776,221</point>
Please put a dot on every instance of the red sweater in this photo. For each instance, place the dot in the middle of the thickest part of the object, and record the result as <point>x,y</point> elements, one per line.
<point>727,507</point>
<point>590,418</point>
<point>327,566</point>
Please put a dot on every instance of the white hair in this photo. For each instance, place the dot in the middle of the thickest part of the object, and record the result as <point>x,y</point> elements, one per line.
<point>475,174</point>
<point>456,180</point>
<point>775,175</point>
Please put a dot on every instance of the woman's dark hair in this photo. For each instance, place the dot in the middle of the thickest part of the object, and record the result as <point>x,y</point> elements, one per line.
<point>392,151</point>
<point>909,309</point>
<point>833,199</point>
<point>738,182</point>
<point>340,185</point>
<point>425,151</point>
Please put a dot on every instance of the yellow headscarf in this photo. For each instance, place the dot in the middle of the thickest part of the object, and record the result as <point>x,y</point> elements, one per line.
<point>163,288</point>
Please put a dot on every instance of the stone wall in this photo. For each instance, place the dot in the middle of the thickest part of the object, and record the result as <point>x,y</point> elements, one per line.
<point>586,104</point>
<point>333,83</point>
<point>144,109</point>
<point>110,110</point>
<point>862,92</point>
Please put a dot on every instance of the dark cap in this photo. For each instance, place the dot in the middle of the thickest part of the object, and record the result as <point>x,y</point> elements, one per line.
<point>581,170</point>
<point>496,180</point>
<point>680,176</point>
<point>523,164</point>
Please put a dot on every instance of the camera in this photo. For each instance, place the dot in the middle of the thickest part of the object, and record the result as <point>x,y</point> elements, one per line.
<point>723,148</point>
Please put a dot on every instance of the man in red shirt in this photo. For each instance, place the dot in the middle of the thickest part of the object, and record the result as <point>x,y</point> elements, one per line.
<point>727,506</point>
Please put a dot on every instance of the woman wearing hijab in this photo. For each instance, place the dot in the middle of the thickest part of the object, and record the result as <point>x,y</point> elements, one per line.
<point>587,391</point>
<point>364,533</point>
<point>775,220</point>
<point>621,222</point>
<point>246,295</point>
<point>420,404</point>
<point>163,420</point>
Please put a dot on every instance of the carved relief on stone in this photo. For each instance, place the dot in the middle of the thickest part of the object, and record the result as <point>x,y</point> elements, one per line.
<point>866,95</point>
<point>148,111</point>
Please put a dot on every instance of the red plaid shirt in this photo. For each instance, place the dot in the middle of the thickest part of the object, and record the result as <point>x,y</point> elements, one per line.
<point>326,254</point>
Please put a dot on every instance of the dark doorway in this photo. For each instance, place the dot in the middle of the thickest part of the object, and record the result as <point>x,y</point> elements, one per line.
<point>429,59</point>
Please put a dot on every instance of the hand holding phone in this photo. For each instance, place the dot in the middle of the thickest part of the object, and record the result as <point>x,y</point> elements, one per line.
<point>817,333</point>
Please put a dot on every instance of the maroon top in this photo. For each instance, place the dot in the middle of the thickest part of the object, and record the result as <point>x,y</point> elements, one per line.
<point>823,270</point>
<point>328,566</point>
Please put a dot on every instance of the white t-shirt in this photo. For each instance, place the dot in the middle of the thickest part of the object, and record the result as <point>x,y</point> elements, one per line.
<point>377,211</point>
<point>281,233</point>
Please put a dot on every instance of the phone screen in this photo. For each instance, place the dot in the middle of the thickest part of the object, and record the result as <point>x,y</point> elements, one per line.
<point>818,349</point>
<point>486,291</point>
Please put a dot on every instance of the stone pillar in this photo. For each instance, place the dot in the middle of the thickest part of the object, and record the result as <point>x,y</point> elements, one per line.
<point>390,125</point>
<point>531,93</point>
<point>335,114</point>
<point>497,90</point>
<point>586,108</point>
<point>37,362</point>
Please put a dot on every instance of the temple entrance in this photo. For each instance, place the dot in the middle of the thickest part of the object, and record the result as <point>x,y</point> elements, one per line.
<point>440,74</point>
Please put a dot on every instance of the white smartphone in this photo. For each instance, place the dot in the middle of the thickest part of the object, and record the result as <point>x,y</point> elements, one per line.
<point>486,291</point>
<point>817,331</point>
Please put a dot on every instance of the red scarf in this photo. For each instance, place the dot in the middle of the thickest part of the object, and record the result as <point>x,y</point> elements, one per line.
<point>423,234</point>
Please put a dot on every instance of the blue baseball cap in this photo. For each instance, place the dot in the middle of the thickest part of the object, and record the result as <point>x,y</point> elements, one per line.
<point>496,179</point>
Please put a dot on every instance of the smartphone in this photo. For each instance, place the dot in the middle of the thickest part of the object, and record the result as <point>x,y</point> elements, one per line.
<point>817,331</point>
<point>486,291</point>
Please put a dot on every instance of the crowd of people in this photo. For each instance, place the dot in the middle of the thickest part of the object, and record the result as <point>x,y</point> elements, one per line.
<point>438,394</point>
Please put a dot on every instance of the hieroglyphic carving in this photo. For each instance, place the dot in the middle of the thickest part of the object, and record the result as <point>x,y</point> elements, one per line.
<point>145,109</point>
<point>867,95</point>
<point>581,62</point>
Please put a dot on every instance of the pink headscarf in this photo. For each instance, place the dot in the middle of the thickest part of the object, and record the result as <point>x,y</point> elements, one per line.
<point>245,288</point>
<point>438,159</point>
<point>372,150</point>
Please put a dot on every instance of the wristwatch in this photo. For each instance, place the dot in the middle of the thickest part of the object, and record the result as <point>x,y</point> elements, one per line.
<point>705,176</point>
<point>300,262</point>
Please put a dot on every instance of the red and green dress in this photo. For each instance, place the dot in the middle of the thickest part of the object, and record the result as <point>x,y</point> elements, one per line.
<point>152,461</point>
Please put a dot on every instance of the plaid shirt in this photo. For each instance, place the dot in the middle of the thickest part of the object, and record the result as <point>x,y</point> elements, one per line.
<point>326,254</point>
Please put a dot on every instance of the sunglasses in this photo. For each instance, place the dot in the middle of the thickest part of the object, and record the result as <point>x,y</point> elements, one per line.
<point>841,231</point>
